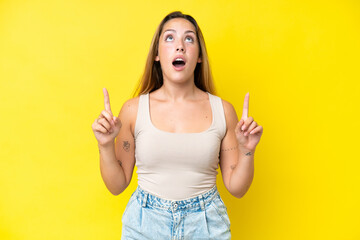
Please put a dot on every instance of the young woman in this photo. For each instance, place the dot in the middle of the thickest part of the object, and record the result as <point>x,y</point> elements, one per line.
<point>179,132</point>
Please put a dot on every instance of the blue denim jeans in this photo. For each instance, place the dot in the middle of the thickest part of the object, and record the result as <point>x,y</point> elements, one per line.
<point>149,217</point>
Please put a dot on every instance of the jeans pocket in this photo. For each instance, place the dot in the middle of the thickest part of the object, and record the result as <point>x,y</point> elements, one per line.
<point>221,210</point>
<point>128,205</point>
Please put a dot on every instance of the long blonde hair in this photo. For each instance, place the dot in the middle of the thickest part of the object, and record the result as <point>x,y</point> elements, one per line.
<point>152,77</point>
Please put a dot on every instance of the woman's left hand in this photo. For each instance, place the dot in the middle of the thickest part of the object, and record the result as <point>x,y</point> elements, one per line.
<point>248,132</point>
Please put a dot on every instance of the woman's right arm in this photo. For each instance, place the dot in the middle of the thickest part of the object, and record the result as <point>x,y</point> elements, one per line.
<point>117,158</point>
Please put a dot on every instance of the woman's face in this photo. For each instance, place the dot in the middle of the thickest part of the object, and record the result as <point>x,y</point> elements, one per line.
<point>178,41</point>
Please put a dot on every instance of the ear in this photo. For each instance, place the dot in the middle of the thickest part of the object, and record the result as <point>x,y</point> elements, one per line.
<point>157,58</point>
<point>199,60</point>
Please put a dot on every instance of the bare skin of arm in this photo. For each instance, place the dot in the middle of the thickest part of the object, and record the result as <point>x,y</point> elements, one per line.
<point>117,160</point>
<point>237,150</point>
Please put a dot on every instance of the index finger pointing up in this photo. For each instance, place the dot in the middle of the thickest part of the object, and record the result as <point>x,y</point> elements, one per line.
<point>107,100</point>
<point>246,107</point>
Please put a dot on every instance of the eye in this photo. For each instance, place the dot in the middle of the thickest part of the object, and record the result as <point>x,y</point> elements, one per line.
<point>190,38</point>
<point>169,37</point>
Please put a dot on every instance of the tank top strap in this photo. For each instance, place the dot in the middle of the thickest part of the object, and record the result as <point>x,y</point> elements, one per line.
<point>219,114</point>
<point>142,123</point>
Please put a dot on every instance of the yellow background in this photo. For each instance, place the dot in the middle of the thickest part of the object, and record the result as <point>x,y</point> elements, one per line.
<point>298,59</point>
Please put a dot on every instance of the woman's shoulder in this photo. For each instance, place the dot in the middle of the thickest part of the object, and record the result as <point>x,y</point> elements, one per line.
<point>129,111</point>
<point>229,111</point>
<point>228,107</point>
<point>130,106</point>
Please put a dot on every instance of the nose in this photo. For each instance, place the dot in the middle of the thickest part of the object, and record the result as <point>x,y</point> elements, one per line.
<point>180,47</point>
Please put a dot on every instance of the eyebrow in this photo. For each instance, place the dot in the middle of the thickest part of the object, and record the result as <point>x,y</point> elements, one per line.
<point>172,30</point>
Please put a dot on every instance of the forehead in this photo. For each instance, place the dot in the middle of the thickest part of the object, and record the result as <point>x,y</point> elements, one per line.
<point>179,25</point>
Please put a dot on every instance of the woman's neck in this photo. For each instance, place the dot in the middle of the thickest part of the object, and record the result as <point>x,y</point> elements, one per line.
<point>172,92</point>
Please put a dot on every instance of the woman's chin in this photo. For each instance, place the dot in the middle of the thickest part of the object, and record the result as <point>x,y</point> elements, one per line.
<point>180,78</point>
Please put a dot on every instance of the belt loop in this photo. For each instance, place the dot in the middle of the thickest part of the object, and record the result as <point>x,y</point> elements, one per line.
<point>202,204</point>
<point>145,199</point>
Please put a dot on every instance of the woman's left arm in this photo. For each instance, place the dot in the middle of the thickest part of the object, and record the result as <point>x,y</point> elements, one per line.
<point>238,148</point>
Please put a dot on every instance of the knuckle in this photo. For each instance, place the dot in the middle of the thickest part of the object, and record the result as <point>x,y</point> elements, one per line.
<point>106,122</point>
<point>103,130</point>
<point>106,126</point>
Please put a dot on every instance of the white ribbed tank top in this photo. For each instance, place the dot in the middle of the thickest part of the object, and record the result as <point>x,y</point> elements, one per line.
<point>177,166</point>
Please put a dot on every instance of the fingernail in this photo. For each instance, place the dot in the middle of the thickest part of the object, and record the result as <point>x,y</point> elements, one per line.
<point>243,127</point>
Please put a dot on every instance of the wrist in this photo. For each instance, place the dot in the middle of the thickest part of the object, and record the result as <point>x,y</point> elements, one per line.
<point>107,146</point>
<point>246,151</point>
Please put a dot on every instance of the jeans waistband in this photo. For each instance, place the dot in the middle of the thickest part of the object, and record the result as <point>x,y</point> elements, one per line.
<point>147,199</point>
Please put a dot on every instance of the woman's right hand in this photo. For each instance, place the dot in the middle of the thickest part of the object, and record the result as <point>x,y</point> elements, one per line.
<point>106,127</point>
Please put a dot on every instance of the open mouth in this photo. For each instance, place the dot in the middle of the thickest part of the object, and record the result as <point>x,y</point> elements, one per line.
<point>178,63</point>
